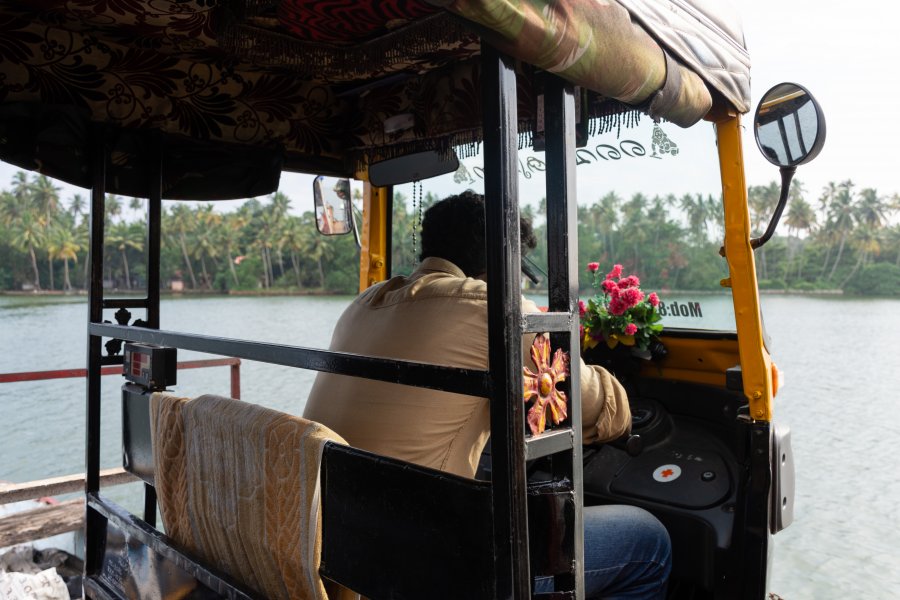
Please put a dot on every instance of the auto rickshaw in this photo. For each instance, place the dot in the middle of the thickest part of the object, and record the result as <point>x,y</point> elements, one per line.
<point>214,99</point>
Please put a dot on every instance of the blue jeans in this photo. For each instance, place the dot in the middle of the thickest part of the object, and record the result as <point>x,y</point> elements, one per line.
<point>627,555</point>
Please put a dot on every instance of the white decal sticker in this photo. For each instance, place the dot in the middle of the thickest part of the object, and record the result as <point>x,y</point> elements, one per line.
<point>667,473</point>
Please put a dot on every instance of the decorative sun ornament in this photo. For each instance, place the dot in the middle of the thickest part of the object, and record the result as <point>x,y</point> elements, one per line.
<point>541,386</point>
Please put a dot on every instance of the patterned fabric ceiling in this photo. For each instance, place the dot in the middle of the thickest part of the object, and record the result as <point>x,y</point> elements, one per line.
<point>314,80</point>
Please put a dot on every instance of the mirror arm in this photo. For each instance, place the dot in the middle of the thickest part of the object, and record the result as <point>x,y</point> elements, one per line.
<point>787,174</point>
<point>355,230</point>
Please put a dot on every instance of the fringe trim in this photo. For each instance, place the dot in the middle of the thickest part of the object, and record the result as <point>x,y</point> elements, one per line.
<point>613,114</point>
<point>394,51</point>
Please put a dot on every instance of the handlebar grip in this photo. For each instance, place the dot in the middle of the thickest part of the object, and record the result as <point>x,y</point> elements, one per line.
<point>633,445</point>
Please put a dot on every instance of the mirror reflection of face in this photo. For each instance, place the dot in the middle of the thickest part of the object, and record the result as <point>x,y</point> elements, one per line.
<point>787,125</point>
<point>332,201</point>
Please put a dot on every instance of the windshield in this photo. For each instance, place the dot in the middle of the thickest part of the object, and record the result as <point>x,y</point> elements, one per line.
<point>649,198</point>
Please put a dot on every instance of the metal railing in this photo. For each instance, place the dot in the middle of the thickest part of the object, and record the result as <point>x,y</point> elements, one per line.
<point>234,363</point>
<point>62,517</point>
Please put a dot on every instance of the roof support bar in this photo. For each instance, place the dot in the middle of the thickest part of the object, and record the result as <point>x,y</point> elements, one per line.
<point>501,192</point>
<point>562,256</point>
<point>95,524</point>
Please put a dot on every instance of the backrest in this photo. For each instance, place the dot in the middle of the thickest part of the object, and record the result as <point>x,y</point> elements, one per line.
<point>392,529</point>
<point>238,487</point>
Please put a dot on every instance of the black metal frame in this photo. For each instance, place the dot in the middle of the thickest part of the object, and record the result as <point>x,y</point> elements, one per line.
<point>506,326</point>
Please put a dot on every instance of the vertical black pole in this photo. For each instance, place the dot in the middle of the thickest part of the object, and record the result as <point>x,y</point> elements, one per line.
<point>389,233</point>
<point>505,325</point>
<point>95,523</point>
<point>562,257</point>
<point>154,219</point>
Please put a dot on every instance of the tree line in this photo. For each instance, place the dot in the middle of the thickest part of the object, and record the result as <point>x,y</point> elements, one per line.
<point>843,238</point>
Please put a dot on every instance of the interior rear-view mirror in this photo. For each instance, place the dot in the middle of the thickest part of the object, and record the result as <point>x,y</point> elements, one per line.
<point>412,167</point>
<point>333,209</point>
<point>790,125</point>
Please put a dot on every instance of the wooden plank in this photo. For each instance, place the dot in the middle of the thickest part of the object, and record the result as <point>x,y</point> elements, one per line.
<point>40,523</point>
<point>16,492</point>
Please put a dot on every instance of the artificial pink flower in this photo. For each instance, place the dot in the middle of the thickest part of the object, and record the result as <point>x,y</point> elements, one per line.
<point>615,273</point>
<point>653,299</point>
<point>609,286</point>
<point>582,309</point>
<point>593,266</point>
<point>617,307</point>
<point>630,281</point>
<point>631,296</point>
<point>630,329</point>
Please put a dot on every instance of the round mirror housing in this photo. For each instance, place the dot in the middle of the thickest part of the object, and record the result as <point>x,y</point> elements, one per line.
<point>789,125</point>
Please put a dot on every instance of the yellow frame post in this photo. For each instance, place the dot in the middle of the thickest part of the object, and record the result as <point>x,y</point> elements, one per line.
<point>373,253</point>
<point>756,364</point>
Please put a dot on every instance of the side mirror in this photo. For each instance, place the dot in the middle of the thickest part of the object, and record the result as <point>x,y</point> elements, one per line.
<point>334,213</point>
<point>789,125</point>
<point>790,131</point>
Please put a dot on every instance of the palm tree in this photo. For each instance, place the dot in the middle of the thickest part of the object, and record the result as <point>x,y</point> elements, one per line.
<point>14,204</point>
<point>45,196</point>
<point>77,205</point>
<point>123,236</point>
<point>293,238</point>
<point>317,248</point>
<point>869,213</point>
<point>181,223</point>
<point>800,217</point>
<point>699,212</point>
<point>277,213</point>
<point>64,246</point>
<point>866,241</point>
<point>871,209</point>
<point>208,222</point>
<point>228,237</point>
<point>762,200</point>
<point>28,235</point>
<point>892,240</point>
<point>21,186</point>
<point>113,207</point>
<point>841,217</point>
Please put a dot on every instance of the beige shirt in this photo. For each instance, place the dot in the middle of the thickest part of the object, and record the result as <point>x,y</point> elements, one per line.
<point>436,315</point>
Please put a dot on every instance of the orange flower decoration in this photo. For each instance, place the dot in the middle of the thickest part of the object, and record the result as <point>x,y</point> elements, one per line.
<point>541,386</point>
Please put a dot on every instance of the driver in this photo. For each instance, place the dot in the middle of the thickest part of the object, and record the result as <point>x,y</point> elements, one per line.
<point>438,314</point>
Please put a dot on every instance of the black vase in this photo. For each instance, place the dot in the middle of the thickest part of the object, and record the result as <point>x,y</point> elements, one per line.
<point>623,361</point>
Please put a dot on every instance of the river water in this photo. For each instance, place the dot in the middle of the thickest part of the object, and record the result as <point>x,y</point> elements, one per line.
<point>839,358</point>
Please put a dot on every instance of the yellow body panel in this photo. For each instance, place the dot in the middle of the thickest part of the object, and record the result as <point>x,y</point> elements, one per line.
<point>756,364</point>
<point>695,360</point>
<point>373,255</point>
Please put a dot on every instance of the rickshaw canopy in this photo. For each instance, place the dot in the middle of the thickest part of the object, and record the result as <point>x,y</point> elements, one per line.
<point>237,90</point>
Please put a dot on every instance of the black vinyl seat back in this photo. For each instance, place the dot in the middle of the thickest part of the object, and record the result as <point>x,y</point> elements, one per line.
<point>391,529</point>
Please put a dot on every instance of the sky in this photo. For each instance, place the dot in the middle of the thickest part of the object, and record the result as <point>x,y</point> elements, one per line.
<point>846,55</point>
<point>840,53</point>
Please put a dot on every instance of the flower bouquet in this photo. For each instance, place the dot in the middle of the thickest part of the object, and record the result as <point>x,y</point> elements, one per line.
<point>620,313</point>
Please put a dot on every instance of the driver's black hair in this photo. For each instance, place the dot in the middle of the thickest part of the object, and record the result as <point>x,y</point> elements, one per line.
<point>453,229</point>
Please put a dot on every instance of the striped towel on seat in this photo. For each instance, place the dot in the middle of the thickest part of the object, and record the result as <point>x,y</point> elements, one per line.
<point>238,487</point>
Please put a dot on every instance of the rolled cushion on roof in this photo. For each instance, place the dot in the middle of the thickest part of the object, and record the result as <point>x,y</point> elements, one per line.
<point>594,44</point>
